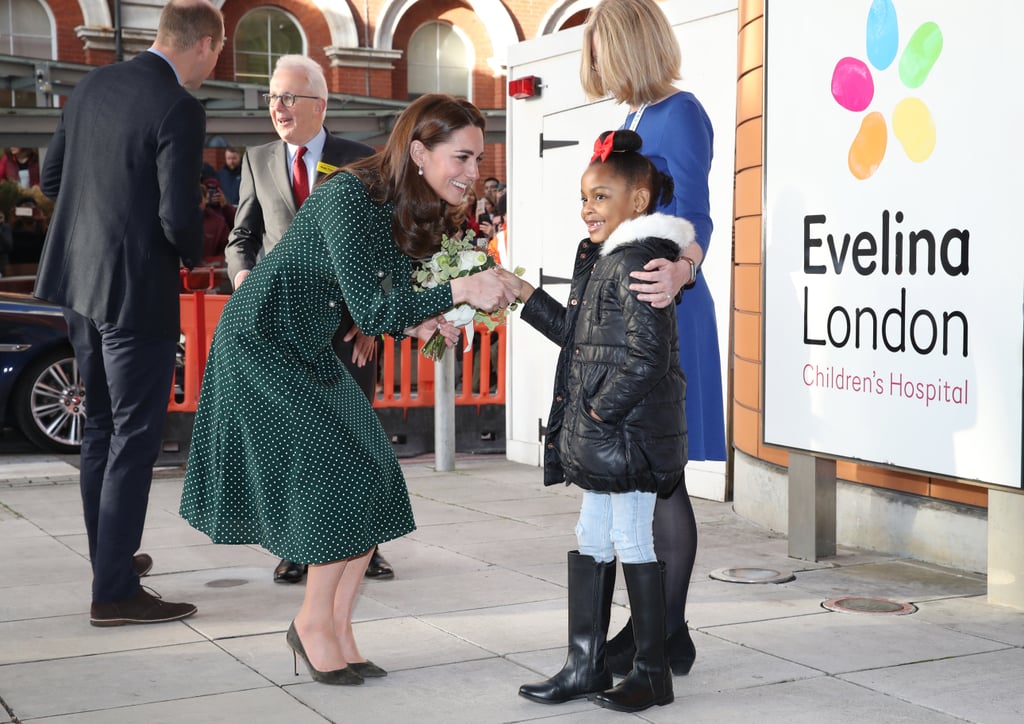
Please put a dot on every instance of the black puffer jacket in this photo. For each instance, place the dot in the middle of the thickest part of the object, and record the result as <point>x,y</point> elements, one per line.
<point>642,443</point>
<point>624,366</point>
<point>558,323</point>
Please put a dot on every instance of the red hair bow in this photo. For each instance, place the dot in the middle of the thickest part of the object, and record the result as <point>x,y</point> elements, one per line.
<point>603,149</point>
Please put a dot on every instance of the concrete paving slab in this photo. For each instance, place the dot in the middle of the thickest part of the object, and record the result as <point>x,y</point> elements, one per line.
<point>536,506</point>
<point>429,512</point>
<point>27,561</point>
<point>157,673</point>
<point>39,639</point>
<point>494,530</point>
<point>471,616</point>
<point>975,616</point>
<point>254,706</point>
<point>984,688</point>
<point>461,592</point>
<point>520,554</point>
<point>808,701</point>
<point>907,581</point>
<point>514,628</point>
<point>715,603</point>
<point>14,526</point>
<point>470,693</point>
<point>397,645</point>
<point>413,560</point>
<point>842,642</point>
<point>46,599</point>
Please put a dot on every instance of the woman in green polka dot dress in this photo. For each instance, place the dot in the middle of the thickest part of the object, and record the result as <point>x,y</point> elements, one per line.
<point>286,451</point>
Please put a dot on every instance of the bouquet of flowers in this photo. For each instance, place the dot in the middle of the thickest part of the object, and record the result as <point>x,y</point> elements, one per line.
<point>458,257</point>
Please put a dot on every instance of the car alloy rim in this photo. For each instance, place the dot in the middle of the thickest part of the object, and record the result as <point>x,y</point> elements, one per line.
<point>58,402</point>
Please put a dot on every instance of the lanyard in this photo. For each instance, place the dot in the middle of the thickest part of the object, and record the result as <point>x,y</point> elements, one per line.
<point>637,116</point>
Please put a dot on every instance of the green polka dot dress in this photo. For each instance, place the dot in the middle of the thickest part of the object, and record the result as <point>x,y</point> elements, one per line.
<point>286,450</point>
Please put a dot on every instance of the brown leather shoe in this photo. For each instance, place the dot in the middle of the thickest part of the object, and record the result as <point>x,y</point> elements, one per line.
<point>289,572</point>
<point>143,607</point>
<point>142,563</point>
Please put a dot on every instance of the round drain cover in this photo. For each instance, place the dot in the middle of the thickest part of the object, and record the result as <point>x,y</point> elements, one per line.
<point>863,604</point>
<point>751,575</point>
<point>226,582</point>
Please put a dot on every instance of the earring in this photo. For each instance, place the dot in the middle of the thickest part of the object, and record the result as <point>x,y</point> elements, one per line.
<point>421,170</point>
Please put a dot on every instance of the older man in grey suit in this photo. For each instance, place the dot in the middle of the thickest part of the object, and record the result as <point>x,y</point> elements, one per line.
<point>276,178</point>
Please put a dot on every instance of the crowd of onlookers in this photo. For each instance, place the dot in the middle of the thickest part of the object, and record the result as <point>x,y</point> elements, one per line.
<point>23,209</point>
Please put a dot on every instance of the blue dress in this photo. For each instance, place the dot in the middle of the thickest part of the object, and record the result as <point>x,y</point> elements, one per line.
<point>678,138</point>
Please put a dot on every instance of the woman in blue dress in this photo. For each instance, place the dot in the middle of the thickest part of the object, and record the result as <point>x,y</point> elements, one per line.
<point>631,53</point>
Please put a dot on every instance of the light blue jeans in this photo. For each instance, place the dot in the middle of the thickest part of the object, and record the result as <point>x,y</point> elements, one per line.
<point>620,523</point>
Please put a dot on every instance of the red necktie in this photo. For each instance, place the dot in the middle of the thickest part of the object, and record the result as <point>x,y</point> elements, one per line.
<point>300,178</point>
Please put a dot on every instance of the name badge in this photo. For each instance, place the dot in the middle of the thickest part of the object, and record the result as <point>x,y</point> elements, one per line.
<point>325,168</point>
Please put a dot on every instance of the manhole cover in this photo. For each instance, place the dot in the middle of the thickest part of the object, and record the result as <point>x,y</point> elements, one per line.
<point>751,575</point>
<point>226,582</point>
<point>864,604</point>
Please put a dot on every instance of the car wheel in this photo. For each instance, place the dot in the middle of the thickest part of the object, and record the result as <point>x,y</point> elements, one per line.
<point>50,402</point>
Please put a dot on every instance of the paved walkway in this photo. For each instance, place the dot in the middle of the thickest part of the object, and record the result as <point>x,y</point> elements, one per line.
<point>477,608</point>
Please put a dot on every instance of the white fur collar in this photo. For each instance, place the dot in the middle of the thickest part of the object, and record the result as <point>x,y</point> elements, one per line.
<point>660,226</point>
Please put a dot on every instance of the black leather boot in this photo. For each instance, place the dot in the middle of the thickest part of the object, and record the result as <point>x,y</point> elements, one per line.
<point>650,681</point>
<point>621,649</point>
<point>591,585</point>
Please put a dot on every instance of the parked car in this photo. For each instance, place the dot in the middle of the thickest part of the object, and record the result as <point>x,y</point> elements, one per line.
<point>41,392</point>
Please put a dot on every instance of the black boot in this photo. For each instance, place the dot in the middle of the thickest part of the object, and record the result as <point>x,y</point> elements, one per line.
<point>591,585</point>
<point>650,681</point>
<point>681,651</point>
<point>621,649</point>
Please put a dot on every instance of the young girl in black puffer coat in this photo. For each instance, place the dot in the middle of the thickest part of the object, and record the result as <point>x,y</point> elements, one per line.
<point>617,427</point>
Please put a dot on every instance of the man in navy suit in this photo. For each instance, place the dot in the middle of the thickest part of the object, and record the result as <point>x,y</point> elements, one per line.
<point>268,200</point>
<point>123,167</point>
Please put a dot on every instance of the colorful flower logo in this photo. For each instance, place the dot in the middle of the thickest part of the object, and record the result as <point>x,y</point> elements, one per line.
<point>853,87</point>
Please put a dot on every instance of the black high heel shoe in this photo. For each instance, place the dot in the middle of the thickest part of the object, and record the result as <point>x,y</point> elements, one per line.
<point>339,677</point>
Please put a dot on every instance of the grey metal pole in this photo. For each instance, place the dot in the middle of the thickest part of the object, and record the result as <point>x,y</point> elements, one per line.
<point>444,411</point>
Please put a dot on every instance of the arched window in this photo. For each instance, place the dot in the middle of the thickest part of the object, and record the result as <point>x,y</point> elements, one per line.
<point>26,29</point>
<point>439,61</point>
<point>263,36</point>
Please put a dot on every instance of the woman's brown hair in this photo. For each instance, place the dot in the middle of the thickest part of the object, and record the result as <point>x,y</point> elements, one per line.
<point>391,176</point>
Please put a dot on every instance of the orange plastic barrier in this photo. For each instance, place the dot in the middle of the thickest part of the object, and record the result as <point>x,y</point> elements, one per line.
<point>406,377</point>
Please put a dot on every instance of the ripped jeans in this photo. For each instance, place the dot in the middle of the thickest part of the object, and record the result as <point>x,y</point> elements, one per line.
<point>620,523</point>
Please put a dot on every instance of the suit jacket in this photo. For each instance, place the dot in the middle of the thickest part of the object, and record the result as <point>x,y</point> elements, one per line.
<point>265,210</point>
<point>123,167</point>
<point>266,206</point>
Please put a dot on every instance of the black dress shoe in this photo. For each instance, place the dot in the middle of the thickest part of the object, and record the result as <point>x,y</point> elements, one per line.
<point>379,567</point>
<point>289,572</point>
<point>142,563</point>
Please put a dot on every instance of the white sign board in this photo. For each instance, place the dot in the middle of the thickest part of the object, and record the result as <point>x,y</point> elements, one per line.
<point>893,260</point>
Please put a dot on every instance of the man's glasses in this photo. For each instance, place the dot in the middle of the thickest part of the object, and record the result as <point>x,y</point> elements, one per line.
<point>286,99</point>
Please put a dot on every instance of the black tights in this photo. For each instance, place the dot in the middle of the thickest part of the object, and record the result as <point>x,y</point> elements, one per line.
<point>675,543</point>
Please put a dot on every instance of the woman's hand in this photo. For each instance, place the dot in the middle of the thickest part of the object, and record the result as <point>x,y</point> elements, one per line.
<point>424,331</point>
<point>364,349</point>
<point>661,280</point>
<point>484,290</point>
